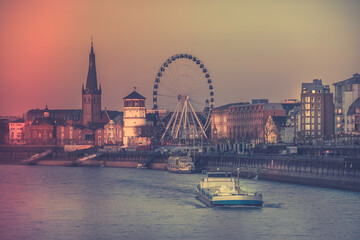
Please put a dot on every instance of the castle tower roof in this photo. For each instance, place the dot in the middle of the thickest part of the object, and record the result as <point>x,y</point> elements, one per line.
<point>134,95</point>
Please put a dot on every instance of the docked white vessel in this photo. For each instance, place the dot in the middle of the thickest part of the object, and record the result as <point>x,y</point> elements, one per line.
<point>180,164</point>
<point>220,189</point>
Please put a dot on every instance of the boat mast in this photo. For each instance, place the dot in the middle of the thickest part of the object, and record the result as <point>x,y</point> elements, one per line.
<point>238,181</point>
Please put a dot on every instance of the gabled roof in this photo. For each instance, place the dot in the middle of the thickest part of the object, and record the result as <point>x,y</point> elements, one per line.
<point>116,116</point>
<point>51,121</point>
<point>279,121</point>
<point>105,117</point>
<point>231,104</point>
<point>354,80</point>
<point>67,114</point>
<point>353,107</point>
<point>134,95</point>
<point>273,106</point>
<point>290,106</point>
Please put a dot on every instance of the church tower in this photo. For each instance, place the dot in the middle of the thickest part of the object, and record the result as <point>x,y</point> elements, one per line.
<point>91,94</point>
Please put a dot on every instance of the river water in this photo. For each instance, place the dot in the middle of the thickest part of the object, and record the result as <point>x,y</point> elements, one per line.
<point>39,202</point>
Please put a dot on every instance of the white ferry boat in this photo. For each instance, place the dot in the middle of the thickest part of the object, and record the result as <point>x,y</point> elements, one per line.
<point>220,189</point>
<point>180,164</point>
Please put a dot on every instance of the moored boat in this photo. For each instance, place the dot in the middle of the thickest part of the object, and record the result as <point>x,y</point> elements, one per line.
<point>180,164</point>
<point>220,189</point>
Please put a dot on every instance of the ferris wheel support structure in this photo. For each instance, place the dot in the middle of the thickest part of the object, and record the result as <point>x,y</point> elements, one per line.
<point>183,91</point>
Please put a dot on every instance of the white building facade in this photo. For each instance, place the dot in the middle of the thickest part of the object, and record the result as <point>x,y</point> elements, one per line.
<point>134,117</point>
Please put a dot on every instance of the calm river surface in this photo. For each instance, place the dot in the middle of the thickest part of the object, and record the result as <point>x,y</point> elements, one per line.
<point>38,202</point>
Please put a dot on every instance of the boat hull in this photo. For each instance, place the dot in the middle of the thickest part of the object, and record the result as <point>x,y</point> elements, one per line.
<point>242,202</point>
<point>179,170</point>
<point>180,164</point>
<point>229,200</point>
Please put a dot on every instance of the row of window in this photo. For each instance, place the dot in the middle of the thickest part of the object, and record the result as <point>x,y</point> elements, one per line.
<point>248,115</point>
<point>309,106</point>
<point>311,99</point>
<point>134,104</point>
<point>94,100</point>
<point>312,113</point>
<point>42,135</point>
<point>308,127</point>
<point>311,120</point>
<point>13,129</point>
<point>257,108</point>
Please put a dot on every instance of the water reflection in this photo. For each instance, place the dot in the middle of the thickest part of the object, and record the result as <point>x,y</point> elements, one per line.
<point>112,203</point>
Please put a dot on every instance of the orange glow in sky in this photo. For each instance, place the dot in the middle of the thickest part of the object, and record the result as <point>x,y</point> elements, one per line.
<point>253,49</point>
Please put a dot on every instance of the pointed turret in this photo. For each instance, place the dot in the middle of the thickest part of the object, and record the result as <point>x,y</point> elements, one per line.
<point>91,94</point>
<point>91,82</point>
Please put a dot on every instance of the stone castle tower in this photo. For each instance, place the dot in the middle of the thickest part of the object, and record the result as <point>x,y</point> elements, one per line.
<point>134,115</point>
<point>91,94</point>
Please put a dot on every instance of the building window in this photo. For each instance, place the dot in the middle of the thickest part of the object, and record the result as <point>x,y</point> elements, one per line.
<point>307,127</point>
<point>307,106</point>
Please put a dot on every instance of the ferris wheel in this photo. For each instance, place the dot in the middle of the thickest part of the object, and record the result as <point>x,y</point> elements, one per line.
<point>183,96</point>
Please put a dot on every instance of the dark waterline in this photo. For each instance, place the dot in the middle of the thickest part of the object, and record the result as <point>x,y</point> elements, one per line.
<point>114,203</point>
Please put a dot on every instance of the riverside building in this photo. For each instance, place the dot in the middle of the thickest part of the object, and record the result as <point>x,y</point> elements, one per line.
<point>347,106</point>
<point>317,111</point>
<point>244,121</point>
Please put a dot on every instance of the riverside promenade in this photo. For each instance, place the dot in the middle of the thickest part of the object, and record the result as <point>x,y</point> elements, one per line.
<point>331,172</point>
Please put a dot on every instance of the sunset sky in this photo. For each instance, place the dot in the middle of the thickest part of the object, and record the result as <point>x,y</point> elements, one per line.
<point>253,49</point>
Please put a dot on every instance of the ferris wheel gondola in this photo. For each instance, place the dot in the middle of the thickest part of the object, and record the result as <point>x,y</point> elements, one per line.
<point>184,90</point>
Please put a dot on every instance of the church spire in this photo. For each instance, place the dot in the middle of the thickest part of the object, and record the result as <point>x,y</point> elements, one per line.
<point>91,82</point>
<point>92,47</point>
